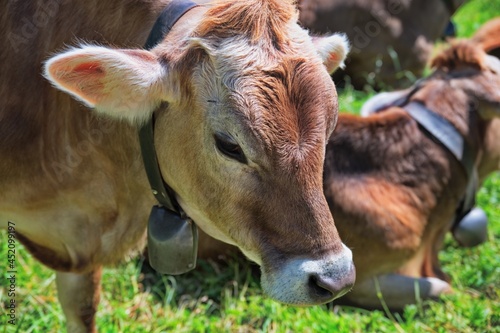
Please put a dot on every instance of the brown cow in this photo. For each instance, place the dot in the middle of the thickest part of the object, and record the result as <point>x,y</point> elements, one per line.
<point>388,180</point>
<point>250,108</point>
<point>394,189</point>
<point>392,40</point>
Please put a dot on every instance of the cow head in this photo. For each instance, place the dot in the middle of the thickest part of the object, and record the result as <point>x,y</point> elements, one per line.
<point>242,141</point>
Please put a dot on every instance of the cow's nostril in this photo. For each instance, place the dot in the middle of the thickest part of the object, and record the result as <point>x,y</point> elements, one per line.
<point>325,288</point>
<point>320,287</point>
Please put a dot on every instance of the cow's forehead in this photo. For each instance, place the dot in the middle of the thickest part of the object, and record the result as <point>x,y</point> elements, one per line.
<point>290,106</point>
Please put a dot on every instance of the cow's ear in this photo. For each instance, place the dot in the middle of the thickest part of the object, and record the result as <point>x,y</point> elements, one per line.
<point>120,83</point>
<point>333,50</point>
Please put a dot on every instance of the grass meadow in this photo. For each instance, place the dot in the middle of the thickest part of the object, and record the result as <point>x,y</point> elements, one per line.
<point>227,297</point>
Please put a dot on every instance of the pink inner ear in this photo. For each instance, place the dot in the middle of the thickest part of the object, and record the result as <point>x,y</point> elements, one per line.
<point>89,68</point>
<point>333,57</point>
<point>84,80</point>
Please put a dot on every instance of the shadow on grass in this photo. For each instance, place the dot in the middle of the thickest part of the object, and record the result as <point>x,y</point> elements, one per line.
<point>229,276</point>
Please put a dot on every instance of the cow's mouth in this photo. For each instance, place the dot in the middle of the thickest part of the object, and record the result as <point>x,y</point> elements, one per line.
<point>311,281</point>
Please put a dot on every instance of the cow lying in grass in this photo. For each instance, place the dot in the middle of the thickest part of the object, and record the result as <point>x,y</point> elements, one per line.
<point>394,189</point>
<point>471,229</point>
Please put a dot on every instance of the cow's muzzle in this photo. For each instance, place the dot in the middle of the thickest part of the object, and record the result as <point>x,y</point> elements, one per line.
<point>303,281</point>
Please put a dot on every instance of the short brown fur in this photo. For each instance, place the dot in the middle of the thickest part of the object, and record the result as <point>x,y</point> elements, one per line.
<point>262,21</point>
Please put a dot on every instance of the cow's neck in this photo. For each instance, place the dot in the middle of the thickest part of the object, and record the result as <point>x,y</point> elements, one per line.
<point>391,147</point>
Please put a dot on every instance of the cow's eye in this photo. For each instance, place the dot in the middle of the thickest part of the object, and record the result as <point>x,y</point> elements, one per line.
<point>227,146</point>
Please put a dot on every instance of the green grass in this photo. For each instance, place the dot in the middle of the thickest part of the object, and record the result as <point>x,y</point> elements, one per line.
<point>473,14</point>
<point>228,298</point>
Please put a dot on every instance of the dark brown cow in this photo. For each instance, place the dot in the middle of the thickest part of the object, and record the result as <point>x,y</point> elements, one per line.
<point>250,108</point>
<point>392,40</point>
<point>394,189</point>
<point>488,135</point>
<point>399,188</point>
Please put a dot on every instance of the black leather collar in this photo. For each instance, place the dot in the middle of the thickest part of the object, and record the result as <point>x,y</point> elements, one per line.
<point>165,22</point>
<point>449,137</point>
<point>163,193</point>
<point>445,133</point>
